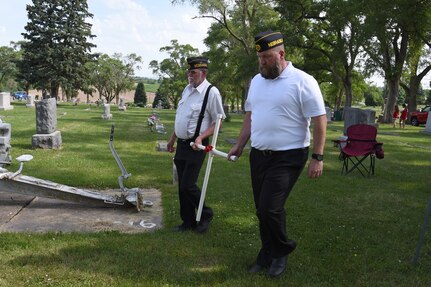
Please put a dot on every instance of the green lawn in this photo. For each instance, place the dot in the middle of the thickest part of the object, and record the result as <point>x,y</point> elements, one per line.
<point>351,231</point>
<point>152,88</point>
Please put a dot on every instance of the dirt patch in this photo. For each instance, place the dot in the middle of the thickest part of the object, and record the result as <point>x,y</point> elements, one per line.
<point>23,213</point>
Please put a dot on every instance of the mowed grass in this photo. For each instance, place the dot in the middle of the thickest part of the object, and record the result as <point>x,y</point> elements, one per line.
<point>351,230</point>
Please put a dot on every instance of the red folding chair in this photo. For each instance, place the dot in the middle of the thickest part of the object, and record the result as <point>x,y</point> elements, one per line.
<point>359,146</point>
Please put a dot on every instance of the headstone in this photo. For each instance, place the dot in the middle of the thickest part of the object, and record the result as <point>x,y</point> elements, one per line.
<point>122,104</point>
<point>5,102</point>
<point>30,101</point>
<point>328,114</point>
<point>354,116</point>
<point>107,112</point>
<point>428,125</point>
<point>161,146</point>
<point>160,128</point>
<point>5,147</point>
<point>47,136</point>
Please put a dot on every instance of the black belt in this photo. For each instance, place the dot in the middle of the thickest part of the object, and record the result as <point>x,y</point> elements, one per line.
<point>185,140</point>
<point>269,152</point>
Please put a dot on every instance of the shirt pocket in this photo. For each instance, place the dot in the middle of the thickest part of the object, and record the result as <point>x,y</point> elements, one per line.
<point>194,117</point>
<point>196,109</point>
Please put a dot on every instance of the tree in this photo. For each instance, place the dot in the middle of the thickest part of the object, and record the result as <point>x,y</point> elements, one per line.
<point>124,73</point>
<point>56,46</point>
<point>231,39</point>
<point>161,100</point>
<point>419,52</point>
<point>172,70</point>
<point>140,98</point>
<point>373,96</point>
<point>390,26</point>
<point>8,70</point>
<point>330,43</point>
<point>112,75</point>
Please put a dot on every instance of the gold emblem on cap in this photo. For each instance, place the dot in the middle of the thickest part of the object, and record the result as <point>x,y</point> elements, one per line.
<point>275,42</point>
<point>258,48</point>
<point>201,65</point>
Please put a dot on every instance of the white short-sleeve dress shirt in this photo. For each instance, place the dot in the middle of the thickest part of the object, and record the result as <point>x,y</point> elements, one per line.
<point>189,108</point>
<point>281,109</point>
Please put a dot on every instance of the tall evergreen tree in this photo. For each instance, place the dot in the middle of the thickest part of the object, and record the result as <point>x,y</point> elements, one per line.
<point>56,45</point>
<point>140,95</point>
<point>161,100</point>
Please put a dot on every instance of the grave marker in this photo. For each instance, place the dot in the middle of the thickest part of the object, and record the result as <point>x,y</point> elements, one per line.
<point>47,136</point>
<point>5,102</point>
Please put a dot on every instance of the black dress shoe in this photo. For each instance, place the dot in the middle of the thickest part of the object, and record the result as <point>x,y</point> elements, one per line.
<point>203,225</point>
<point>255,268</point>
<point>181,228</point>
<point>278,266</point>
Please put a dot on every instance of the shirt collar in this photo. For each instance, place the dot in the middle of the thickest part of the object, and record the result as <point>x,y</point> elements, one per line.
<point>286,70</point>
<point>201,87</point>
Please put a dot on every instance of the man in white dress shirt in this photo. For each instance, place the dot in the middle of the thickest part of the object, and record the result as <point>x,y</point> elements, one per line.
<point>188,160</point>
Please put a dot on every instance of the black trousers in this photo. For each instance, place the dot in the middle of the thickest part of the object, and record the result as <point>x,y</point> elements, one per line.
<point>189,163</point>
<point>273,175</point>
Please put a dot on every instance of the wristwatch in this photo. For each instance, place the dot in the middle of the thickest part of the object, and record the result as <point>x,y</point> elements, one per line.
<point>316,156</point>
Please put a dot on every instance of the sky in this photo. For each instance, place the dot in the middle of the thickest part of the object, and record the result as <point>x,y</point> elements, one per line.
<point>123,26</point>
<point>129,26</point>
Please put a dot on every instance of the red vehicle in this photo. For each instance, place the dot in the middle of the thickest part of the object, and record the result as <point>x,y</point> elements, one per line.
<point>420,117</point>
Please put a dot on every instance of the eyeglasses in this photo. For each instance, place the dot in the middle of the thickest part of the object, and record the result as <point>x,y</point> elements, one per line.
<point>192,72</point>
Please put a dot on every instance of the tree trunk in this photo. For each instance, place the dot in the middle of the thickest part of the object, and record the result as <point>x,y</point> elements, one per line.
<point>54,90</point>
<point>412,97</point>
<point>393,90</point>
<point>348,90</point>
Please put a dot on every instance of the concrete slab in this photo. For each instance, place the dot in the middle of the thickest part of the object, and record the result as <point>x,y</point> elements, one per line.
<point>23,213</point>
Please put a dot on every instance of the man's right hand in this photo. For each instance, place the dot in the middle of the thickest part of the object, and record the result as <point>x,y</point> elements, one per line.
<point>236,151</point>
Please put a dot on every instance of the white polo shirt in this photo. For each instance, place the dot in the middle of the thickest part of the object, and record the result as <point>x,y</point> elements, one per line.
<point>281,109</point>
<point>189,108</point>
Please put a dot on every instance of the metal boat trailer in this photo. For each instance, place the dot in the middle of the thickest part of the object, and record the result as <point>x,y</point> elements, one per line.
<point>15,182</point>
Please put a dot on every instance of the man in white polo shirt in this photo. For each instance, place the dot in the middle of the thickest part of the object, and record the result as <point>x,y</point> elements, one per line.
<point>281,103</point>
<point>190,128</point>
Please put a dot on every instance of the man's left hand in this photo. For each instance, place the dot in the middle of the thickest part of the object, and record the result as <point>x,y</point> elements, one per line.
<point>315,169</point>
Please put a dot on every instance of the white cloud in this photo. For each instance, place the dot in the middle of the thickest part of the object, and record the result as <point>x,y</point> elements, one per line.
<point>133,26</point>
<point>123,26</point>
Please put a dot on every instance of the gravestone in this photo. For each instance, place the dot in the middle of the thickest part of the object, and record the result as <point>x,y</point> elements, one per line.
<point>162,146</point>
<point>30,101</point>
<point>354,116</point>
<point>428,125</point>
<point>5,102</point>
<point>47,136</point>
<point>5,147</point>
<point>107,112</point>
<point>122,104</point>
<point>328,114</point>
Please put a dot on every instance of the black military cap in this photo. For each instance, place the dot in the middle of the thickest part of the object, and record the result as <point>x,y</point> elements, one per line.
<point>197,63</point>
<point>268,40</point>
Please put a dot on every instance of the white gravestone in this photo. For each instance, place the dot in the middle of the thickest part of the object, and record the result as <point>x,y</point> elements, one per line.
<point>30,101</point>
<point>107,112</point>
<point>122,104</point>
<point>5,147</point>
<point>5,102</point>
<point>328,114</point>
<point>428,125</point>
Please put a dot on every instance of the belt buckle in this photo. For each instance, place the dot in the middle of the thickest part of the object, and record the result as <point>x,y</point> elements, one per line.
<point>267,152</point>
